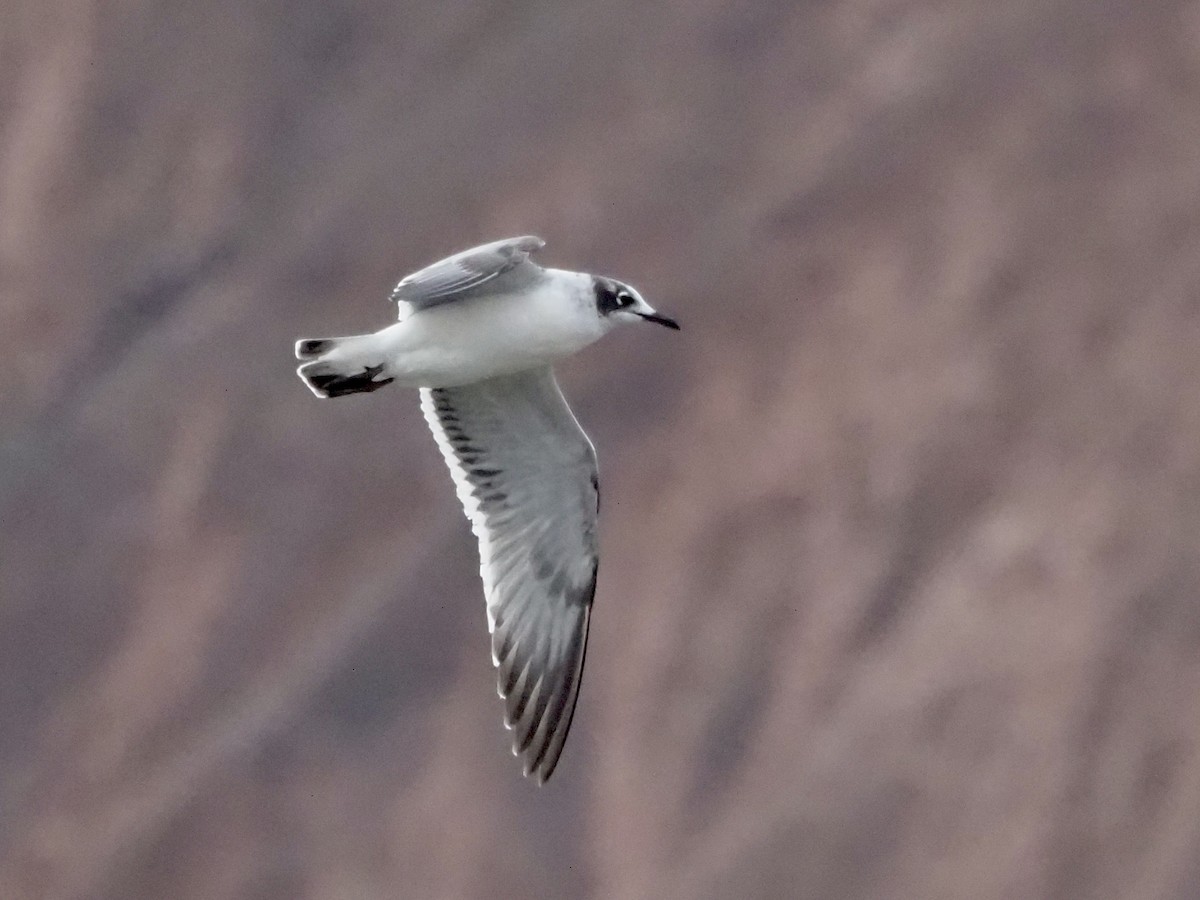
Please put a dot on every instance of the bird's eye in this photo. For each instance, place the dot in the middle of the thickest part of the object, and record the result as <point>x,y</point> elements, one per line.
<point>624,300</point>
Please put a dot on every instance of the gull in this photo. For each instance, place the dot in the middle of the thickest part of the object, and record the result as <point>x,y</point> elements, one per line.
<point>477,334</point>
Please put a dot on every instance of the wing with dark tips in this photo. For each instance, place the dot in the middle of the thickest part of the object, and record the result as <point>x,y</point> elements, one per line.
<point>526,476</point>
<point>465,273</point>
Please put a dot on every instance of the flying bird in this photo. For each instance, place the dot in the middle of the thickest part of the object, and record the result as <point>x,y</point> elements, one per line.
<point>478,333</point>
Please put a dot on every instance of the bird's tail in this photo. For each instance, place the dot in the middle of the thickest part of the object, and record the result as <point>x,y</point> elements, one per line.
<point>335,367</point>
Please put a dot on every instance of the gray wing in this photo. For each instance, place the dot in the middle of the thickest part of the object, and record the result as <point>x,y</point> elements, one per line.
<point>464,272</point>
<point>526,476</point>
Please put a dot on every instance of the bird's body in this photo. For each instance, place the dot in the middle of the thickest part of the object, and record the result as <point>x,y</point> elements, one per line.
<point>453,344</point>
<point>477,334</point>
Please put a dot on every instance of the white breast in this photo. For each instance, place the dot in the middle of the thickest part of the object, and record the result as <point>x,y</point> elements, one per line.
<point>469,340</point>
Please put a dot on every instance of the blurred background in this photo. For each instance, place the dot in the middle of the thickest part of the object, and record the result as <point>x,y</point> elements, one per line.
<point>901,587</point>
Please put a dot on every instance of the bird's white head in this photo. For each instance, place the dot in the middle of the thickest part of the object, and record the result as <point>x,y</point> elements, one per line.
<point>617,302</point>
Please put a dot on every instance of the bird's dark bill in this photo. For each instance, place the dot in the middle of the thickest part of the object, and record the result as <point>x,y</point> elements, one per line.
<point>666,321</point>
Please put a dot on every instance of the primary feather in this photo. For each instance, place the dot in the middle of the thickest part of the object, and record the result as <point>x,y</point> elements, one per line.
<point>532,505</point>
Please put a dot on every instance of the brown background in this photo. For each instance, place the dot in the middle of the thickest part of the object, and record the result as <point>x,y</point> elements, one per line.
<point>901,588</point>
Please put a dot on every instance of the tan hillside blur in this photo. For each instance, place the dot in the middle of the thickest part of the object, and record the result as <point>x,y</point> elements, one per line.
<point>900,587</point>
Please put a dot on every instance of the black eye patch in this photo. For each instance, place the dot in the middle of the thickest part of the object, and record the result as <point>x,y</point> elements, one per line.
<point>609,298</point>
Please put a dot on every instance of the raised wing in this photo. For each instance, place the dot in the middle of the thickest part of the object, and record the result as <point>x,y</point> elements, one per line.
<point>526,476</point>
<point>464,272</point>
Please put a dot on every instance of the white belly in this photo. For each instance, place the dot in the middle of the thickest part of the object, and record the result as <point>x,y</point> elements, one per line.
<point>469,340</point>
